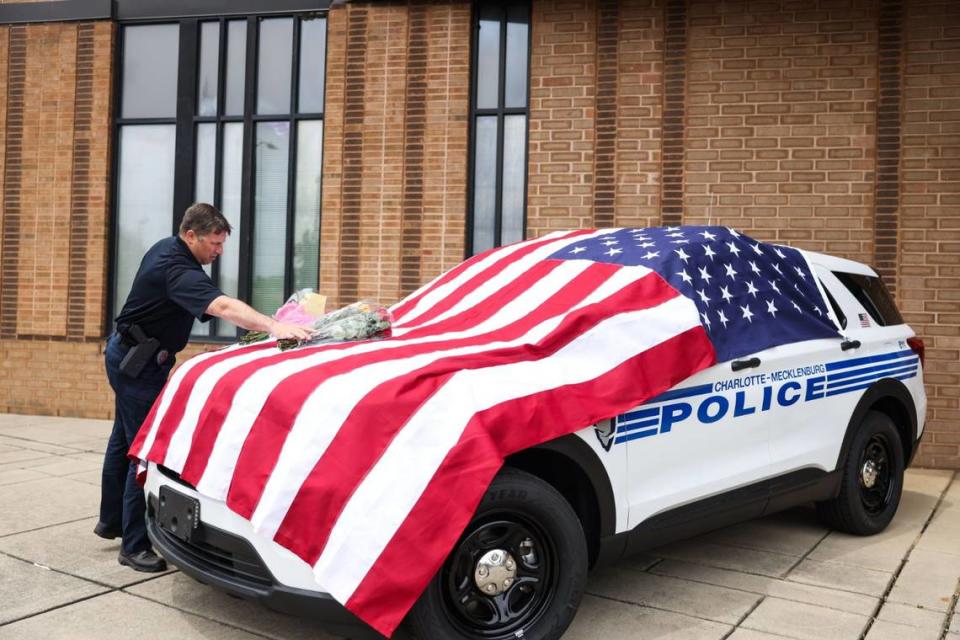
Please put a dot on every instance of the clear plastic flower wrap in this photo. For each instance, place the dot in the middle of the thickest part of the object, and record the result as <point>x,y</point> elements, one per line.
<point>361,320</point>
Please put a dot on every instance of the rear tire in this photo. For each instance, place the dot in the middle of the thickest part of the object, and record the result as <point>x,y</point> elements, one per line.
<point>536,544</point>
<point>871,481</point>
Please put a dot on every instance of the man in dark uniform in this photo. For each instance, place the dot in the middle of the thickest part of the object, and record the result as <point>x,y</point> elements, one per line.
<point>168,292</point>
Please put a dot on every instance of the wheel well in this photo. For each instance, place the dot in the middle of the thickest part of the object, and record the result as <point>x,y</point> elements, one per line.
<point>570,480</point>
<point>894,400</point>
<point>894,409</point>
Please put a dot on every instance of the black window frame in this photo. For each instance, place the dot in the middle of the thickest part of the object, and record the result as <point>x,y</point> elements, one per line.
<point>501,111</point>
<point>186,122</point>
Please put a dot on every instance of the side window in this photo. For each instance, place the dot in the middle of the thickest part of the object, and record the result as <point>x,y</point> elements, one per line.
<point>837,311</point>
<point>873,295</point>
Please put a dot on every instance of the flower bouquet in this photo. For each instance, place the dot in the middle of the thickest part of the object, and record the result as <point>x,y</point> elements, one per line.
<point>361,320</point>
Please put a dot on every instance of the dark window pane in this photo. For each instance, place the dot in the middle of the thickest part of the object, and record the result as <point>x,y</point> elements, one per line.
<point>270,214</point>
<point>516,67</point>
<point>514,177</point>
<point>145,197</point>
<point>313,53</point>
<point>485,184</point>
<point>274,67</point>
<point>204,188</point>
<point>150,71</point>
<point>306,239</point>
<point>206,163</point>
<point>873,294</point>
<point>209,68</point>
<point>236,66</point>
<point>488,63</point>
<point>230,176</point>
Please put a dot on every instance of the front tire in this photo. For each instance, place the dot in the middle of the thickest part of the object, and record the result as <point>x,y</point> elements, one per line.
<point>871,482</point>
<point>518,570</point>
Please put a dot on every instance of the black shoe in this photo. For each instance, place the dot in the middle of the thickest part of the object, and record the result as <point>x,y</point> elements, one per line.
<point>107,532</point>
<point>145,560</point>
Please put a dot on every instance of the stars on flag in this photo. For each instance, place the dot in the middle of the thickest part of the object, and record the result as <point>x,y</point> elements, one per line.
<point>743,290</point>
<point>725,292</point>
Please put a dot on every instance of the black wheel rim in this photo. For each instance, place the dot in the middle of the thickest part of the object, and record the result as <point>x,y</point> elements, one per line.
<point>478,614</point>
<point>875,474</point>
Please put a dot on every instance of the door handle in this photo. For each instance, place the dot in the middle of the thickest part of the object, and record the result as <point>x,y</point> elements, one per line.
<point>846,345</point>
<point>737,365</point>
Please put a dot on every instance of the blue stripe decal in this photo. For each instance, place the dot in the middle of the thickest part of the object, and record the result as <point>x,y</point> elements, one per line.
<point>635,435</point>
<point>640,424</point>
<point>867,385</point>
<point>638,414</point>
<point>873,377</point>
<point>681,393</point>
<point>852,376</point>
<point>846,364</point>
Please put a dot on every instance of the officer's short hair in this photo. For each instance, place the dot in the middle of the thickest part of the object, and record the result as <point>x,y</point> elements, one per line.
<point>202,219</point>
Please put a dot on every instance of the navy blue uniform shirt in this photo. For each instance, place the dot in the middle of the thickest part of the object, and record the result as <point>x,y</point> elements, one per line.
<point>168,292</point>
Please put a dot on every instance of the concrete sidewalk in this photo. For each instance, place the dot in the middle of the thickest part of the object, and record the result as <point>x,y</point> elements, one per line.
<point>782,576</point>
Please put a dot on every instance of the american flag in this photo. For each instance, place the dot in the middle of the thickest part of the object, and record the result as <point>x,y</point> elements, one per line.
<point>368,459</point>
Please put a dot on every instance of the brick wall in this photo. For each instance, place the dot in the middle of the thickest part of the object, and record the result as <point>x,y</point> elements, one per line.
<point>929,257</point>
<point>781,101</point>
<point>394,181</point>
<point>55,140</point>
<point>829,125</point>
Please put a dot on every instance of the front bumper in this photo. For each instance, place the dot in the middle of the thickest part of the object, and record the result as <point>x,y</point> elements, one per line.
<point>231,564</point>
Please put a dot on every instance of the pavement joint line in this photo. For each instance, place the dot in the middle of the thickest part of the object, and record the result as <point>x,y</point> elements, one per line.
<point>198,615</point>
<point>59,606</point>
<point>816,584</point>
<point>52,444</point>
<point>906,557</point>
<point>716,566</point>
<point>806,555</point>
<point>945,629</point>
<point>145,577</point>
<point>655,608</point>
<point>748,547</point>
<point>47,526</point>
<point>744,617</point>
<point>712,566</point>
<point>39,457</point>
<point>779,597</point>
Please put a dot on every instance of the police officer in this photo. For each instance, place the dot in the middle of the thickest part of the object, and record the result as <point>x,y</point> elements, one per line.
<point>169,291</point>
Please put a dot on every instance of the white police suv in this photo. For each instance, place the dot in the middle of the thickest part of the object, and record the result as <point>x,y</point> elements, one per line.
<point>832,421</point>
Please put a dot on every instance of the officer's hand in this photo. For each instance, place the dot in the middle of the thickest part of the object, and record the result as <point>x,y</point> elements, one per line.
<point>282,330</point>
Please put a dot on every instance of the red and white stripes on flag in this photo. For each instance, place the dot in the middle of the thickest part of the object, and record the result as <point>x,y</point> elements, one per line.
<point>368,459</point>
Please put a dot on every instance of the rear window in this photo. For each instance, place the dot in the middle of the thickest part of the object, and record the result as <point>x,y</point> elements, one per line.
<point>873,295</point>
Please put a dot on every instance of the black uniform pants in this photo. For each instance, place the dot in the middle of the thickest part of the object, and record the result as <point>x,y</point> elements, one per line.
<point>122,504</point>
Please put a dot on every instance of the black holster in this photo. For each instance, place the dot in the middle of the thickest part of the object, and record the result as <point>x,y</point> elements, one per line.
<point>140,353</point>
